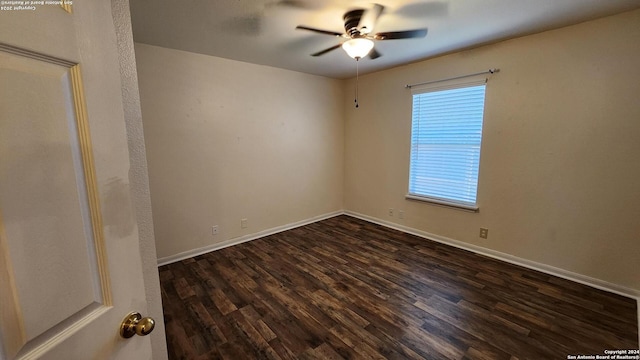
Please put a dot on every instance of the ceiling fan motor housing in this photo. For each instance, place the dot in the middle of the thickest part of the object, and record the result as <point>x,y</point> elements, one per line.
<point>351,22</point>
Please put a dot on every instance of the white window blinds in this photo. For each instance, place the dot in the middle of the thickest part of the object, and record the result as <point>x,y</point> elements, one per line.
<point>445,143</point>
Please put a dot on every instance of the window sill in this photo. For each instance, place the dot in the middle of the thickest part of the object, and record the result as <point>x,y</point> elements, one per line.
<point>440,202</point>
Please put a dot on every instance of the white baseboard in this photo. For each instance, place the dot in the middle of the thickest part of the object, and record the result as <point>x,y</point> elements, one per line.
<point>239,240</point>
<point>547,269</point>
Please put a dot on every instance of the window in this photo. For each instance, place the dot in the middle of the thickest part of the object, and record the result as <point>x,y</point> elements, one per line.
<point>446,133</point>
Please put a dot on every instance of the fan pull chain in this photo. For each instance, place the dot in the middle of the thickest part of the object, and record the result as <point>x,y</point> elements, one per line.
<point>357,75</point>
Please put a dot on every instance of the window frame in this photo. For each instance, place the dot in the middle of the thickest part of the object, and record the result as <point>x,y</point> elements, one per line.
<point>443,86</point>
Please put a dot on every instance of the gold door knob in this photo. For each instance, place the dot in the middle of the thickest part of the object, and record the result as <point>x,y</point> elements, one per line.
<point>134,324</point>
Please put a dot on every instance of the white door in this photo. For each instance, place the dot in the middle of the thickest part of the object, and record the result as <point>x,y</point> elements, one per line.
<point>70,267</point>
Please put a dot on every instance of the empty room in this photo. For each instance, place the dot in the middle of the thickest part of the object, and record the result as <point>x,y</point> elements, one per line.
<point>327,179</point>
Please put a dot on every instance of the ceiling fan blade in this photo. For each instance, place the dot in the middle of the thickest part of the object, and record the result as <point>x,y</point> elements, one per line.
<point>369,19</point>
<point>421,10</point>
<point>326,50</point>
<point>326,32</point>
<point>295,4</point>
<point>373,54</point>
<point>394,35</point>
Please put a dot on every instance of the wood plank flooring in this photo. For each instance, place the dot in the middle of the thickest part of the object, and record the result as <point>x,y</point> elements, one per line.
<point>344,288</point>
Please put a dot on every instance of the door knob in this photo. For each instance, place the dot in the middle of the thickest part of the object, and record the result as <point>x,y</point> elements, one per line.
<point>134,324</point>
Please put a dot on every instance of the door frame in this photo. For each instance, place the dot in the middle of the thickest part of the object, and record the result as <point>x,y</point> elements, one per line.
<point>139,180</point>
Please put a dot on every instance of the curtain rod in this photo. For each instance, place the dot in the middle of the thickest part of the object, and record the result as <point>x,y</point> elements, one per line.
<point>490,71</point>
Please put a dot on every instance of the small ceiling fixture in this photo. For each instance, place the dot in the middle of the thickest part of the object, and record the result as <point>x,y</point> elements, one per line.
<point>358,48</point>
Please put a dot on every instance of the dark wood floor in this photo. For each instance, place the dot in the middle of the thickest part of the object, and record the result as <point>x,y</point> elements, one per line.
<point>344,288</point>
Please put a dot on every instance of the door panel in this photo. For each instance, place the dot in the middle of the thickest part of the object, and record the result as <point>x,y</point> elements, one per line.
<point>49,233</point>
<point>69,263</point>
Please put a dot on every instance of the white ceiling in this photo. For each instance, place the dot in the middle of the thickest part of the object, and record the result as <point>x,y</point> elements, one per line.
<point>263,31</point>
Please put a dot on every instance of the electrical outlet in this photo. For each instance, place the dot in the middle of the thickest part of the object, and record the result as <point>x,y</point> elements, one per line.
<point>400,214</point>
<point>214,230</point>
<point>243,223</point>
<point>390,211</point>
<point>484,233</point>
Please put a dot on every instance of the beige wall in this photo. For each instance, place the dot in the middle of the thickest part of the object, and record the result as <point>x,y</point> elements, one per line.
<point>228,140</point>
<point>560,169</point>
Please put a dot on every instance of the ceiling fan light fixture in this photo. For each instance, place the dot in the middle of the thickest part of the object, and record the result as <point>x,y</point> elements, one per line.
<point>358,48</point>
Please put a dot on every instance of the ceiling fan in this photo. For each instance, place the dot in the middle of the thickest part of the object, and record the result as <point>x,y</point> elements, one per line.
<point>359,25</point>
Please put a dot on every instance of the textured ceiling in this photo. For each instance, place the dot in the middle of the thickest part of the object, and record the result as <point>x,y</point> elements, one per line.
<point>263,31</point>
